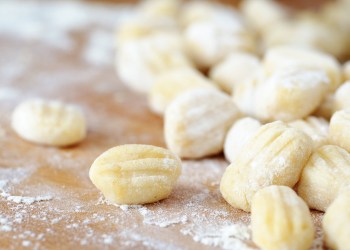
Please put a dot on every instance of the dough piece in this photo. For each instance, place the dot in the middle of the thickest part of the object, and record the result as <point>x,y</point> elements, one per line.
<point>290,94</point>
<point>197,121</point>
<point>137,27</point>
<point>209,41</point>
<point>326,174</point>
<point>308,31</point>
<point>303,58</point>
<point>139,62</point>
<point>238,135</point>
<point>316,128</point>
<point>275,155</point>
<point>50,123</point>
<point>173,83</point>
<point>281,220</point>
<point>135,174</point>
<point>336,223</point>
<point>339,129</point>
<point>160,8</point>
<point>234,70</point>
<point>199,10</point>
<point>262,14</point>
<point>342,97</point>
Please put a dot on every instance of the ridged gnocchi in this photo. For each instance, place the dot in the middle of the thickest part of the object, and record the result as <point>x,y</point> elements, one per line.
<point>275,155</point>
<point>135,174</point>
<point>195,127</point>
<point>281,220</point>
<point>326,174</point>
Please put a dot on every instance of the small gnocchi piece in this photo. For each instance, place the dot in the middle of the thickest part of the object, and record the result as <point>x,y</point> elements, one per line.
<point>50,123</point>
<point>262,14</point>
<point>159,8</point>
<point>139,62</point>
<point>198,10</point>
<point>135,174</point>
<point>281,220</point>
<point>326,174</point>
<point>342,97</point>
<point>209,41</point>
<point>234,69</point>
<point>172,83</point>
<point>346,70</point>
<point>339,129</point>
<point>315,127</point>
<point>197,121</point>
<point>290,94</point>
<point>309,31</point>
<point>303,58</point>
<point>336,223</point>
<point>239,134</point>
<point>275,155</point>
<point>137,27</point>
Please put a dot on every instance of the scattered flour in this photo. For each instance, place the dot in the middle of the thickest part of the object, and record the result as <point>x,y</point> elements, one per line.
<point>226,237</point>
<point>26,200</point>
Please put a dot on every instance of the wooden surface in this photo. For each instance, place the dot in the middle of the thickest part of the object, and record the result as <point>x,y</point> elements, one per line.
<point>75,215</point>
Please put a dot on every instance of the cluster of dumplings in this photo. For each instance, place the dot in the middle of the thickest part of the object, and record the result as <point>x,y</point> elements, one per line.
<point>264,84</point>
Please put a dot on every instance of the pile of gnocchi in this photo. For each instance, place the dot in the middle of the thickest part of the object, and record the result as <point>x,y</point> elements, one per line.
<point>266,85</point>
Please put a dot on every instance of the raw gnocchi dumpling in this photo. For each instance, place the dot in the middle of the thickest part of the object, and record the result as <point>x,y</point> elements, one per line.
<point>209,41</point>
<point>197,121</point>
<point>262,15</point>
<point>234,69</point>
<point>303,58</point>
<point>326,174</point>
<point>290,94</point>
<point>275,155</point>
<point>52,123</point>
<point>139,62</point>
<point>135,174</point>
<point>172,83</point>
<point>281,220</point>
<point>336,223</point>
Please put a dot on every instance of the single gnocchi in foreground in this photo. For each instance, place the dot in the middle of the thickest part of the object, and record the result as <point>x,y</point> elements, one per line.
<point>326,174</point>
<point>135,174</point>
<point>197,121</point>
<point>281,220</point>
<point>336,223</point>
<point>274,155</point>
<point>51,123</point>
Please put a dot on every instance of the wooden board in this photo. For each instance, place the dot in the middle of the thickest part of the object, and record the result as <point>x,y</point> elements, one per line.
<point>47,200</point>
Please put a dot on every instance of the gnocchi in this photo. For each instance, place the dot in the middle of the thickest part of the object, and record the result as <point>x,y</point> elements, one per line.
<point>135,174</point>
